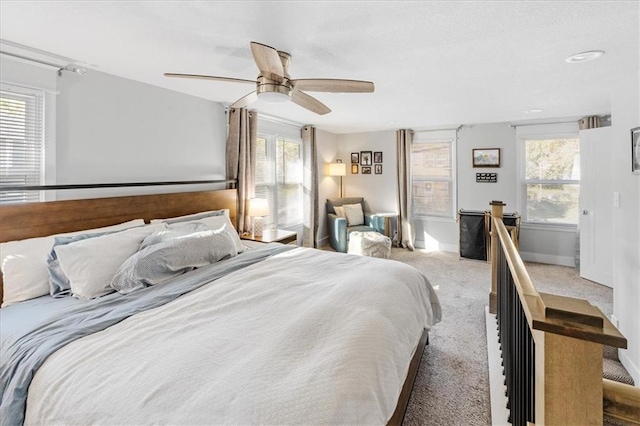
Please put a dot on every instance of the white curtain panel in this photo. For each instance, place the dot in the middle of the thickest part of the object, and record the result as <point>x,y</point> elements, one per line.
<point>310,187</point>
<point>406,231</point>
<point>241,160</point>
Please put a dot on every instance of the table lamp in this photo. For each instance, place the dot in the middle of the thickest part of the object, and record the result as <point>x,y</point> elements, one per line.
<point>258,208</point>
<point>337,169</point>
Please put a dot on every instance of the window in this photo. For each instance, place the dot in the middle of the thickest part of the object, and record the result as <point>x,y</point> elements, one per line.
<point>279,179</point>
<point>432,173</point>
<point>551,181</point>
<point>21,142</point>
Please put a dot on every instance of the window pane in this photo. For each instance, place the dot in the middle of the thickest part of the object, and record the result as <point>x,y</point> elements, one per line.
<point>553,203</point>
<point>264,174</point>
<point>553,159</point>
<point>432,198</point>
<point>289,178</point>
<point>431,159</point>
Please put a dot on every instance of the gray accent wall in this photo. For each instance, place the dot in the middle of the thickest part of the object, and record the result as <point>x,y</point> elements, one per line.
<point>111,129</point>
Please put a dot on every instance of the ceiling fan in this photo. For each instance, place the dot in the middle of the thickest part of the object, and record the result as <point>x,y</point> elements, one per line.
<point>275,85</point>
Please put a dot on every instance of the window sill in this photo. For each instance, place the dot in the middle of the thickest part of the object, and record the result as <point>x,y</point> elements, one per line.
<point>434,219</point>
<point>555,227</point>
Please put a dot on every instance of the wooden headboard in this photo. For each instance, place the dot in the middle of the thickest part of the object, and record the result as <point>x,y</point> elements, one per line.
<point>21,221</point>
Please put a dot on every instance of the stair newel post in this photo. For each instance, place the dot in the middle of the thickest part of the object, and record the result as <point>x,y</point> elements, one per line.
<point>497,208</point>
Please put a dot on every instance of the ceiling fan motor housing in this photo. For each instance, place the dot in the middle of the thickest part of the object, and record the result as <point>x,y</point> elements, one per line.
<point>267,85</point>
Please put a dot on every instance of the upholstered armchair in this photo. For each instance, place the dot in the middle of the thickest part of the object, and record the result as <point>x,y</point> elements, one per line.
<point>339,227</point>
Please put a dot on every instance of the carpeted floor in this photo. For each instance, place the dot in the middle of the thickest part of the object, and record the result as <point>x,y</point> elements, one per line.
<point>452,386</point>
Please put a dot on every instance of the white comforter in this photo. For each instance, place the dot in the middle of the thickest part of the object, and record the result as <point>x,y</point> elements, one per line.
<point>304,337</point>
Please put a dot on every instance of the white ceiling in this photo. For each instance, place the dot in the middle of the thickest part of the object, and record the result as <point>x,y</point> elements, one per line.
<point>433,63</point>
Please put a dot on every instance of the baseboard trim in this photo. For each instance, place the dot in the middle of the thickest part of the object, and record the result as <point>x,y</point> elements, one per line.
<point>323,241</point>
<point>633,369</point>
<point>548,258</point>
<point>451,248</point>
<point>497,389</point>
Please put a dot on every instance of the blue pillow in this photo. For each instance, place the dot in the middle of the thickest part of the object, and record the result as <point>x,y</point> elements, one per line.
<point>59,285</point>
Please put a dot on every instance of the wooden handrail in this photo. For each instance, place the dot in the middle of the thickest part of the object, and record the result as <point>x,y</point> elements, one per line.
<point>621,401</point>
<point>567,335</point>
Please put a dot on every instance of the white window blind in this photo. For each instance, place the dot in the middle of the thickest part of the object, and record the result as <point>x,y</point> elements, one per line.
<point>21,142</point>
<point>433,174</point>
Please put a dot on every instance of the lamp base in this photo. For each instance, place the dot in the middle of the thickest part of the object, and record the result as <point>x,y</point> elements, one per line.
<point>257,227</point>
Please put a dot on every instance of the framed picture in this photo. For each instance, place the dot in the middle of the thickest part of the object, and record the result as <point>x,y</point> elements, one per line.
<point>377,169</point>
<point>354,168</point>
<point>365,158</point>
<point>355,157</point>
<point>366,170</point>
<point>486,157</point>
<point>339,160</point>
<point>377,157</point>
<point>635,150</point>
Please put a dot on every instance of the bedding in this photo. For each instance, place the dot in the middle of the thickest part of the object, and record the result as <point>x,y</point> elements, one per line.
<point>24,263</point>
<point>269,336</point>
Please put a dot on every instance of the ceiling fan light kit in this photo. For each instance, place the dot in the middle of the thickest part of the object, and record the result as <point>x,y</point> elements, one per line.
<point>274,84</point>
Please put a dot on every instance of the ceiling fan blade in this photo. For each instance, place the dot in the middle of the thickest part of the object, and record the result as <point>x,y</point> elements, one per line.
<point>309,102</point>
<point>333,85</point>
<point>268,61</point>
<point>245,100</point>
<point>208,77</point>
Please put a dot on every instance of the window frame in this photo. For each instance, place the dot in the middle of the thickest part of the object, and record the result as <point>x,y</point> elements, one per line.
<point>271,138</point>
<point>433,137</point>
<point>43,103</point>
<point>561,132</point>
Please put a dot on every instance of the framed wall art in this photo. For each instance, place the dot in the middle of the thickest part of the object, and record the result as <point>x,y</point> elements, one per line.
<point>354,169</point>
<point>366,170</point>
<point>355,157</point>
<point>377,157</point>
<point>486,157</point>
<point>365,158</point>
<point>377,168</point>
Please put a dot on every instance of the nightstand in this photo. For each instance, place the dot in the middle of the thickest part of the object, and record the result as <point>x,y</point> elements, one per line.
<point>274,236</point>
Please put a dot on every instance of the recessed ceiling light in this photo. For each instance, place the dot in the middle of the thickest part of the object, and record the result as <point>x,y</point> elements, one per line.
<point>532,111</point>
<point>579,58</point>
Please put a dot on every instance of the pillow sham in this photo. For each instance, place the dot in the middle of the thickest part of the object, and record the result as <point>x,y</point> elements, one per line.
<point>172,231</point>
<point>339,211</point>
<point>195,216</point>
<point>223,224</point>
<point>24,263</point>
<point>159,262</point>
<point>90,264</point>
<point>59,285</point>
<point>354,214</point>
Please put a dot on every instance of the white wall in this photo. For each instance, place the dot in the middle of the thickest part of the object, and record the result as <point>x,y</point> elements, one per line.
<point>379,191</point>
<point>625,113</point>
<point>110,129</point>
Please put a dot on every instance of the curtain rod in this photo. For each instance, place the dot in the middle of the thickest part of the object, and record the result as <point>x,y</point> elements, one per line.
<point>542,124</point>
<point>4,188</point>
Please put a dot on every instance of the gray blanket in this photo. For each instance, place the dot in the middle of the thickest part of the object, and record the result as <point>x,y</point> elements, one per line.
<point>33,330</point>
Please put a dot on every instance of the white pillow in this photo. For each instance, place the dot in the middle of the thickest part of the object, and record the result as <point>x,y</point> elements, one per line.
<point>339,211</point>
<point>218,223</point>
<point>91,264</point>
<point>24,263</point>
<point>354,214</point>
<point>194,216</point>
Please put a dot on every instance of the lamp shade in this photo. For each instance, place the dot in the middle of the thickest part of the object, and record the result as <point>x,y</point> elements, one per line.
<point>258,207</point>
<point>336,169</point>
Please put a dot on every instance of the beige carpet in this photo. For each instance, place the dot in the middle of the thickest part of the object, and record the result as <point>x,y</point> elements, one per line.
<point>452,386</point>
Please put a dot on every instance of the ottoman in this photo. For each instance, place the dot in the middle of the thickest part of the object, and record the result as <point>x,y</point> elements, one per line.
<point>369,244</point>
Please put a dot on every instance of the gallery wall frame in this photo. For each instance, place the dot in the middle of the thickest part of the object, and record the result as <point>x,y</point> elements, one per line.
<point>486,157</point>
<point>365,158</point>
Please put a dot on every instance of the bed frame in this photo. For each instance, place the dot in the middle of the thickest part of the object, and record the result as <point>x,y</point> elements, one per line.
<point>22,221</point>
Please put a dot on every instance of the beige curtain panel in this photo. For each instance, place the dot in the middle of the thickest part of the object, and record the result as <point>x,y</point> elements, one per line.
<point>406,232</point>
<point>241,159</point>
<point>310,187</point>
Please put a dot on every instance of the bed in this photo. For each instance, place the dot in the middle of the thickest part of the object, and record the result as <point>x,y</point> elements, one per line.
<point>272,335</point>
